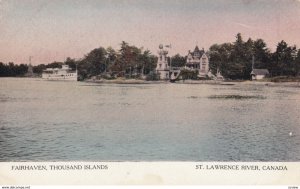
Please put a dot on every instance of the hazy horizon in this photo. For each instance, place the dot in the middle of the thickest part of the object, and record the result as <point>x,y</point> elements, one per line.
<point>53,30</point>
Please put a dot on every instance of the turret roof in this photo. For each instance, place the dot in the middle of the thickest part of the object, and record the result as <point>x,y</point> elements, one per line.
<point>196,48</point>
<point>198,51</point>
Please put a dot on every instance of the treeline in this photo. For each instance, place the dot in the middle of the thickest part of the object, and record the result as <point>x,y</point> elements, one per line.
<point>15,70</point>
<point>234,60</point>
<point>12,70</point>
<point>128,61</point>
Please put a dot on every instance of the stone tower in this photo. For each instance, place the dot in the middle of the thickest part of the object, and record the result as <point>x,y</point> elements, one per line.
<point>162,67</point>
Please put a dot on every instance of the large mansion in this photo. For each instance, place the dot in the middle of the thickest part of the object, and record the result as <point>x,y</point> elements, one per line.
<point>198,60</point>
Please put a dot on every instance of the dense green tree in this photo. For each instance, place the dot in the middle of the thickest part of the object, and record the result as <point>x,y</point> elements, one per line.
<point>240,58</point>
<point>296,63</point>
<point>132,60</point>
<point>71,63</point>
<point>230,59</point>
<point>125,56</point>
<point>283,59</point>
<point>234,60</point>
<point>262,54</point>
<point>93,63</point>
<point>12,70</point>
<point>111,58</point>
<point>39,69</point>
<point>129,58</point>
<point>54,65</point>
<point>178,60</point>
<point>148,62</point>
<point>220,58</point>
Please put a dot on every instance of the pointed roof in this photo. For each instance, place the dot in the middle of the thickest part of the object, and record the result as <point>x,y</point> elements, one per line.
<point>197,52</point>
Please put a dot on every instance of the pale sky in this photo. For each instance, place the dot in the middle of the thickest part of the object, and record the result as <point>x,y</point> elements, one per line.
<point>51,30</point>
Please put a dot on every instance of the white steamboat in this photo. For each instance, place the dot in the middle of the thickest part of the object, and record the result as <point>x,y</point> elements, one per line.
<point>64,73</point>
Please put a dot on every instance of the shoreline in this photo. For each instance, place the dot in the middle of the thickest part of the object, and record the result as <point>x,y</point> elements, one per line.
<point>192,82</point>
<point>140,81</point>
<point>123,81</point>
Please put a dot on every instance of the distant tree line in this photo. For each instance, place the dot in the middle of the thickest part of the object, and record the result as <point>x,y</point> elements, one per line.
<point>12,70</point>
<point>233,60</point>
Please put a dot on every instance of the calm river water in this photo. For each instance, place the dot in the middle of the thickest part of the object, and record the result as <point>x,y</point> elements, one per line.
<point>70,121</point>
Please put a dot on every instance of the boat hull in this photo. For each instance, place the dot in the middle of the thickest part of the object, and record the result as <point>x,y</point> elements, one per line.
<point>73,77</point>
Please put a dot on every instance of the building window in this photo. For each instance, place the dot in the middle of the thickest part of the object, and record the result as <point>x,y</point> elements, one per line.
<point>159,65</point>
<point>160,58</point>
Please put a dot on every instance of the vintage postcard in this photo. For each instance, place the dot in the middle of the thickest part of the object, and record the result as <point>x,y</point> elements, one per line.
<point>96,92</point>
